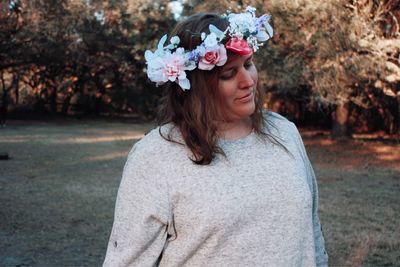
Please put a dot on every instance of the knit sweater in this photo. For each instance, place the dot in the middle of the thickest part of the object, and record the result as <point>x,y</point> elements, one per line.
<point>256,206</point>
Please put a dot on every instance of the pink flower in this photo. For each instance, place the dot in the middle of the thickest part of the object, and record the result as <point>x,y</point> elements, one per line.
<point>174,70</point>
<point>212,58</point>
<point>239,46</point>
<point>168,67</point>
<point>174,67</point>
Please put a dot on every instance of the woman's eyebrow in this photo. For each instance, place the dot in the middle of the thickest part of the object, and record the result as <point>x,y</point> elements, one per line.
<point>249,59</point>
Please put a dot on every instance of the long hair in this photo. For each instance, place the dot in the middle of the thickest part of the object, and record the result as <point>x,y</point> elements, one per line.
<point>195,112</point>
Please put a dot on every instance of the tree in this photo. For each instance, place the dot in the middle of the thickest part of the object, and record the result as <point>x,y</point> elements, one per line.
<point>87,56</point>
<point>84,55</point>
<point>344,52</point>
<point>340,54</point>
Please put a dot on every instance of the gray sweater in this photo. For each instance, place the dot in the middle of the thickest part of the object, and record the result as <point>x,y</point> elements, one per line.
<point>255,207</point>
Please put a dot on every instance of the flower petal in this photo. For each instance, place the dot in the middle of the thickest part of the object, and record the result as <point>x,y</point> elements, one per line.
<point>262,36</point>
<point>184,84</point>
<point>239,46</point>
<point>160,45</point>
<point>205,66</point>
<point>269,29</point>
<point>175,40</point>
<point>223,56</point>
<point>211,41</point>
<point>220,34</point>
<point>182,75</point>
<point>148,55</point>
<point>190,65</point>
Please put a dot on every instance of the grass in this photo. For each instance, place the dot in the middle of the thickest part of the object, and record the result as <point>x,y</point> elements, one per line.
<point>57,193</point>
<point>359,183</point>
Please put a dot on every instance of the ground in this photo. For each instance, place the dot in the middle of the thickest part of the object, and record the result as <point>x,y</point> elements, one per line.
<point>57,192</point>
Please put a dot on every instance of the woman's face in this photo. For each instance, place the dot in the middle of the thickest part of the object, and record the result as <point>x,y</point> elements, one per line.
<point>237,85</point>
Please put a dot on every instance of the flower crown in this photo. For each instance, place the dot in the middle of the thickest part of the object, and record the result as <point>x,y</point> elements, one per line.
<point>243,36</point>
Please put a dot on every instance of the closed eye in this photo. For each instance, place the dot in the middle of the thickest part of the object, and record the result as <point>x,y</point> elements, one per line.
<point>248,65</point>
<point>249,62</point>
<point>231,72</point>
<point>228,73</point>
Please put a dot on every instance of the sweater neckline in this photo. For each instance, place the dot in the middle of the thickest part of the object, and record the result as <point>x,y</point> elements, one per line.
<point>242,140</point>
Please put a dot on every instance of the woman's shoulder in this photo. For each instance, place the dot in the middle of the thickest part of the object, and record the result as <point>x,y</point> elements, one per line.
<point>273,115</point>
<point>278,123</point>
<point>155,144</point>
<point>285,130</point>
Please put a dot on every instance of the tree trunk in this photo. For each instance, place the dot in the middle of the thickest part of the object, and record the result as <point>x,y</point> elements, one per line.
<point>4,102</point>
<point>4,107</point>
<point>16,87</point>
<point>340,121</point>
<point>397,128</point>
<point>66,104</point>
<point>53,100</point>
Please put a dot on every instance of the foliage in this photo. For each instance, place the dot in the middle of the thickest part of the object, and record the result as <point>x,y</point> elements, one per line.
<point>331,54</point>
<point>87,56</point>
<point>336,52</point>
<point>75,56</point>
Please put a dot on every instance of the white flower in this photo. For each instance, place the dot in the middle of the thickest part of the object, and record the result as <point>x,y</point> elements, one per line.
<point>168,67</point>
<point>218,33</point>
<point>155,66</point>
<point>211,41</point>
<point>240,24</point>
<point>253,43</point>
<point>175,40</point>
<point>251,9</point>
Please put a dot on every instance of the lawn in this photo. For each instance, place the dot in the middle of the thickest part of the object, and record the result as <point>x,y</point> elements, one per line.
<point>58,188</point>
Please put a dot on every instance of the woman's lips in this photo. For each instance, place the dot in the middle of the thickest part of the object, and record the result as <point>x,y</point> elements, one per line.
<point>246,97</point>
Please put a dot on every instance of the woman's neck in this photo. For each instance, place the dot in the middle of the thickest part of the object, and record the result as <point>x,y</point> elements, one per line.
<point>235,129</point>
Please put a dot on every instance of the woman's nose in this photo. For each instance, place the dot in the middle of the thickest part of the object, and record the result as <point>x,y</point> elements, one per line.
<point>245,79</point>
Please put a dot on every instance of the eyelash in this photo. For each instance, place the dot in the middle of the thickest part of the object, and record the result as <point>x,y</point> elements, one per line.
<point>247,66</point>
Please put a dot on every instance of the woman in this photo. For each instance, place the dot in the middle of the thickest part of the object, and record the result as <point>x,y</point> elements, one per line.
<point>220,182</point>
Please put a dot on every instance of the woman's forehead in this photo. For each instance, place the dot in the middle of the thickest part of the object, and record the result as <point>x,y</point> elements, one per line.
<point>234,59</point>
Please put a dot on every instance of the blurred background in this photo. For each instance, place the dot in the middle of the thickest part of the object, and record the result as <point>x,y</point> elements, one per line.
<point>331,63</point>
<point>74,97</point>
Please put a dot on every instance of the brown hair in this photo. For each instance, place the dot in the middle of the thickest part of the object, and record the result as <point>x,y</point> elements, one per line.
<point>195,111</point>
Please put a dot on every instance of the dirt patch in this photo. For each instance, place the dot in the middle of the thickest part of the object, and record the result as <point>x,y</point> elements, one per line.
<point>57,193</point>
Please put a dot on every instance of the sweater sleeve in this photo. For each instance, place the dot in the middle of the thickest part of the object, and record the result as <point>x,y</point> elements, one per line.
<point>320,251</point>
<point>141,218</point>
